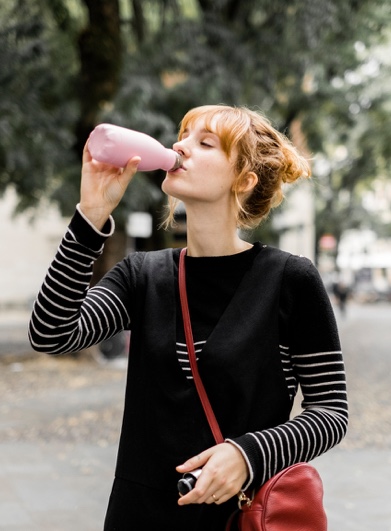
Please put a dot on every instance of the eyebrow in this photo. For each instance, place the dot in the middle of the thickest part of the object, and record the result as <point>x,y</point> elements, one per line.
<point>204,130</point>
<point>208,131</point>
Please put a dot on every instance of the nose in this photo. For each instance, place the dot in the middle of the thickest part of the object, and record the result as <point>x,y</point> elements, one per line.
<point>181,148</point>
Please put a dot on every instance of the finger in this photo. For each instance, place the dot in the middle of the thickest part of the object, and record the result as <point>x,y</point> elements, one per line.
<point>201,493</point>
<point>212,499</point>
<point>194,462</point>
<point>210,496</point>
<point>126,174</point>
<point>132,165</point>
<point>86,154</point>
<point>215,498</point>
<point>219,498</point>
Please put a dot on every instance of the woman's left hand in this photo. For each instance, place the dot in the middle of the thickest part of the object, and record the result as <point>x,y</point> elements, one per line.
<point>224,472</point>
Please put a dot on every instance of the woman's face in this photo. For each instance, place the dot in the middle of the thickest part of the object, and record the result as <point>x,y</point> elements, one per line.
<point>207,173</point>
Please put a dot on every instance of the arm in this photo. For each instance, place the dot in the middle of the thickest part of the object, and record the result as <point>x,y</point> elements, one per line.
<point>67,315</point>
<point>313,348</point>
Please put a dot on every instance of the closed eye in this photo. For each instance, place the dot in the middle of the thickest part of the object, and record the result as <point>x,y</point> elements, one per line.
<point>205,144</point>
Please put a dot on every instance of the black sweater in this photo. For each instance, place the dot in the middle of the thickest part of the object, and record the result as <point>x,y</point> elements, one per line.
<point>277,330</point>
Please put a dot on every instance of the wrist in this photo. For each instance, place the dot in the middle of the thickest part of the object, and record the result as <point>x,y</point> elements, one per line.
<point>102,224</point>
<point>95,216</point>
<point>249,470</point>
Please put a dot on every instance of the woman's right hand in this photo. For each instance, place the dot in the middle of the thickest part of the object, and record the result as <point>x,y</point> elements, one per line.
<point>102,187</point>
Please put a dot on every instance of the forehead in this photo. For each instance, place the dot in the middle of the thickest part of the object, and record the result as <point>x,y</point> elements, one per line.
<point>228,123</point>
<point>205,122</point>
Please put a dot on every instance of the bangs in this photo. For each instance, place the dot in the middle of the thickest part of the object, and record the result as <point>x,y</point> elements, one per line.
<point>230,124</point>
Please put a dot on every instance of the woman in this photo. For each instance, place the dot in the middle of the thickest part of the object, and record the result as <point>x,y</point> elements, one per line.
<point>262,325</point>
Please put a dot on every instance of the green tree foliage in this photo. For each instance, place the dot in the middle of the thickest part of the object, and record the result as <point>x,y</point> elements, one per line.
<point>352,140</point>
<point>143,63</point>
<point>37,108</point>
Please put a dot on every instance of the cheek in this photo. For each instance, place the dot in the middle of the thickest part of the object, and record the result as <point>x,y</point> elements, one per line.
<point>220,168</point>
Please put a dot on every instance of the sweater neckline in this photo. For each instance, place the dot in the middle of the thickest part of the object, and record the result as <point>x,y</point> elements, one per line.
<point>230,257</point>
<point>225,263</point>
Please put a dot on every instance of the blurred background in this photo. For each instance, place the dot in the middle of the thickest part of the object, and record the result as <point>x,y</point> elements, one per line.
<point>319,69</point>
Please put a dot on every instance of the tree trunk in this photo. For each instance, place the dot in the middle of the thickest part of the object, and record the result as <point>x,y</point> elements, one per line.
<point>100,49</point>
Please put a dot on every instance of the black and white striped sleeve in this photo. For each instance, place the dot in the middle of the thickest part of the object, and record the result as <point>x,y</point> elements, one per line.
<point>313,348</point>
<point>68,315</point>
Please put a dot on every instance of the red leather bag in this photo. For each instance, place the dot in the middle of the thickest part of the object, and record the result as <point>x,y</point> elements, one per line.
<point>292,500</point>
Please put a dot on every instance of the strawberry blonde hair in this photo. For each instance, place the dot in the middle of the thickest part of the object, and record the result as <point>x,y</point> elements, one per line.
<point>260,149</point>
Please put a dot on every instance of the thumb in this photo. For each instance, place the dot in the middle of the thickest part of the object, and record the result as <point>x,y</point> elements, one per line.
<point>130,170</point>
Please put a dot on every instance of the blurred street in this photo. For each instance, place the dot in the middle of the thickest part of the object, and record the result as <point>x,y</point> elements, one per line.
<point>60,421</point>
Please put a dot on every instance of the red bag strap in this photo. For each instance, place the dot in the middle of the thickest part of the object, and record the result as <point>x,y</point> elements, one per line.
<point>214,426</point>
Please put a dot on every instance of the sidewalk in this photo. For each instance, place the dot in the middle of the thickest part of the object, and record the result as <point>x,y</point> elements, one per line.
<point>13,332</point>
<point>54,487</point>
<point>59,425</point>
<point>357,485</point>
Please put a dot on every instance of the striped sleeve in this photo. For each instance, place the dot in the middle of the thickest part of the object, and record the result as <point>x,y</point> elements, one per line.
<point>312,359</point>
<point>68,315</point>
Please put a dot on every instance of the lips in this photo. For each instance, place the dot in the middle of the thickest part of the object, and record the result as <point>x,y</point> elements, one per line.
<point>178,170</point>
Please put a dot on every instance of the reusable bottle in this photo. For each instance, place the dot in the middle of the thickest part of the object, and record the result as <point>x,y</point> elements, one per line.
<point>115,145</point>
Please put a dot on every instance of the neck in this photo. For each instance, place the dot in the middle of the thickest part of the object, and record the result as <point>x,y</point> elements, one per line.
<point>212,235</point>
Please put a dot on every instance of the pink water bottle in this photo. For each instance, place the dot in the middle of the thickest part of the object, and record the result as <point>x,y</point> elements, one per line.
<point>115,145</point>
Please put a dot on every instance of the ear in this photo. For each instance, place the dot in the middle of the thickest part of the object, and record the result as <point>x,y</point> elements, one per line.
<point>247,183</point>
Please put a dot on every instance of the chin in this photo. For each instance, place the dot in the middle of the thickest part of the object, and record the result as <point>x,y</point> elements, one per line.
<point>169,187</point>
